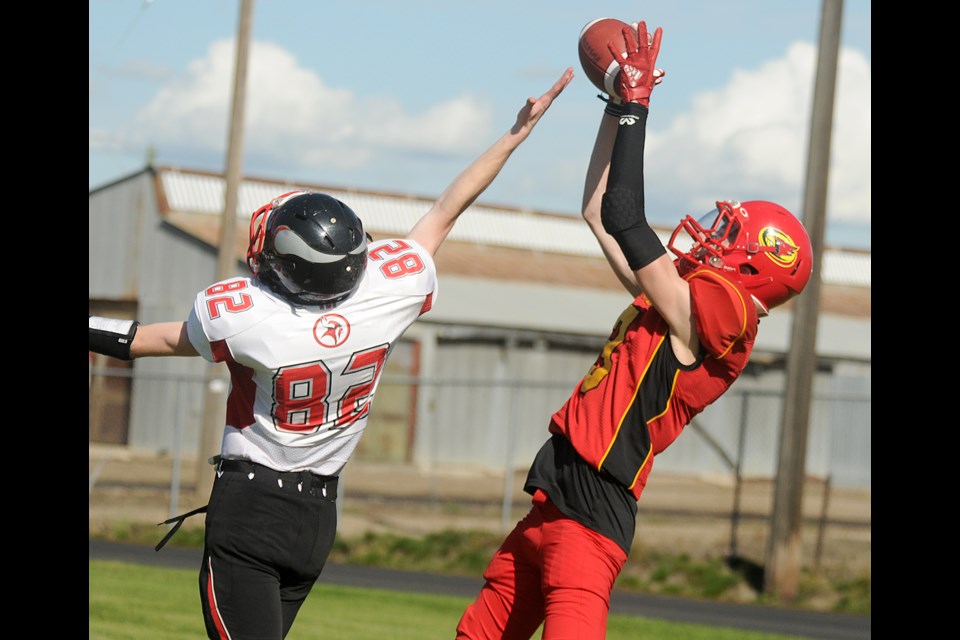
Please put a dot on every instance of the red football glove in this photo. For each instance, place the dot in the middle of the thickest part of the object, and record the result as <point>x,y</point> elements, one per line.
<point>638,73</point>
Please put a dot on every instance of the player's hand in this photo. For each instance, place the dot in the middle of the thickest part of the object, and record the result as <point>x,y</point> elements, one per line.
<point>638,72</point>
<point>533,110</point>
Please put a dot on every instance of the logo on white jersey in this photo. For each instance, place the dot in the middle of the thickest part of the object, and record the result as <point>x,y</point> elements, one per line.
<point>331,330</point>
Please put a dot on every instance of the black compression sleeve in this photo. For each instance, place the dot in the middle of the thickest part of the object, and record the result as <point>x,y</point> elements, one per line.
<point>626,163</point>
<point>622,207</point>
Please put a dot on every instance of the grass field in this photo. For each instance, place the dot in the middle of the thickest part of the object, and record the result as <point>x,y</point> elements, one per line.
<point>136,602</point>
<point>649,571</point>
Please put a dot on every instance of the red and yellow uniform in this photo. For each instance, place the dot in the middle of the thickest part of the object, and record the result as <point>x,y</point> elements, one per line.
<point>637,398</point>
<point>565,555</point>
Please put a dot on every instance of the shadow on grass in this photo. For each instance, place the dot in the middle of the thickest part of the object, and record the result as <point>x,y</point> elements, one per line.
<point>749,570</point>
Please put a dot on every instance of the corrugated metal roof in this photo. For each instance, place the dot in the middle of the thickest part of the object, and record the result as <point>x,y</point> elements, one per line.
<point>195,192</point>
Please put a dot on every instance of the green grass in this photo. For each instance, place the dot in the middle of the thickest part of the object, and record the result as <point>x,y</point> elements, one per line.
<point>646,571</point>
<point>138,602</point>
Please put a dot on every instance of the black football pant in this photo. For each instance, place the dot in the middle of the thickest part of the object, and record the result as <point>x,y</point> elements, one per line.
<point>267,537</point>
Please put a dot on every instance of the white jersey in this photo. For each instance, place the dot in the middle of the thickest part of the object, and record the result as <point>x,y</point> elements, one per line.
<point>302,379</point>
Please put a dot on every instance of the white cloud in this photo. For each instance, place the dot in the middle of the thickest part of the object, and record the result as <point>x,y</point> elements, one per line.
<point>749,139</point>
<point>293,120</point>
<point>99,140</point>
<point>746,140</point>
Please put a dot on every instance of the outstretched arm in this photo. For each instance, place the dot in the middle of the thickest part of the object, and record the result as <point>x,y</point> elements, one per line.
<point>432,229</point>
<point>594,186</point>
<point>622,212</point>
<point>162,339</point>
<point>128,339</point>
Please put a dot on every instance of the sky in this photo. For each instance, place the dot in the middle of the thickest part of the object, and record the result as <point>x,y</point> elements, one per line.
<point>400,96</point>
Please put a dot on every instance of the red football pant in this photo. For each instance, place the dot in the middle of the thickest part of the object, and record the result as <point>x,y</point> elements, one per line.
<point>550,570</point>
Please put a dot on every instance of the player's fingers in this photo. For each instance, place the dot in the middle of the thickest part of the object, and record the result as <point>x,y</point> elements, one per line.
<point>615,52</point>
<point>642,35</point>
<point>630,39</point>
<point>562,83</point>
<point>657,37</point>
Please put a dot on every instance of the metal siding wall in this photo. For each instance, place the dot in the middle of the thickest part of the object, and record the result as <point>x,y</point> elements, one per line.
<point>191,191</point>
<point>114,219</point>
<point>562,369</point>
<point>466,415</point>
<point>472,420</point>
<point>761,398</point>
<point>173,269</point>
<point>482,426</point>
<point>762,448</point>
<point>690,451</point>
<point>163,384</point>
<point>819,429</point>
<point>850,443</point>
<point>132,256</point>
<point>155,404</point>
<point>475,415</point>
<point>517,392</point>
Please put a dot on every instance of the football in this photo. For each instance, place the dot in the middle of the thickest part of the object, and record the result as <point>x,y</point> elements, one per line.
<point>595,58</point>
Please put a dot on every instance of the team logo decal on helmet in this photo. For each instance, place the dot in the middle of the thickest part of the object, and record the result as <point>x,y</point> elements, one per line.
<point>784,251</point>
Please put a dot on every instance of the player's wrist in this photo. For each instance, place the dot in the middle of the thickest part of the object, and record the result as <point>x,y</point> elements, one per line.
<point>614,105</point>
<point>636,109</point>
<point>638,95</point>
<point>112,337</point>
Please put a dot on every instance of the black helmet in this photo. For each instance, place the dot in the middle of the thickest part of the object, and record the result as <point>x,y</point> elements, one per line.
<point>309,248</point>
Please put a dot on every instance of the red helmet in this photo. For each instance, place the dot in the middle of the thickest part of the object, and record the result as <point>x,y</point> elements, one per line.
<point>759,243</point>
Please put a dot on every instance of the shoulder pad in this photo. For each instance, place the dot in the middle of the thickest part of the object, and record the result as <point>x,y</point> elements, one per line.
<point>232,306</point>
<point>401,267</point>
<point>722,310</point>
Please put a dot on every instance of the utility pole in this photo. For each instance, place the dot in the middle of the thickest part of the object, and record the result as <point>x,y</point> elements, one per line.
<point>214,410</point>
<point>782,572</point>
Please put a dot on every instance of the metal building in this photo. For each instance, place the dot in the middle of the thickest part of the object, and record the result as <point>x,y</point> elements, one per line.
<point>525,302</point>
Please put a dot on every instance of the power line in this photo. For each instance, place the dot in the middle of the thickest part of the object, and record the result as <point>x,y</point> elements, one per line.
<point>123,36</point>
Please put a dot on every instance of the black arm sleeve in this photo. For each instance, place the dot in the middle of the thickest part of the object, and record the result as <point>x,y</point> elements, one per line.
<point>626,163</point>
<point>622,207</point>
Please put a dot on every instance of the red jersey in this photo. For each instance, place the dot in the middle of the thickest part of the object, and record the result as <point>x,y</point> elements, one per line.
<point>637,398</point>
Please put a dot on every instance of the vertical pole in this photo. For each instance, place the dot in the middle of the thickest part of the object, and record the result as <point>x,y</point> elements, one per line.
<point>214,403</point>
<point>738,470</point>
<point>822,528</point>
<point>178,427</point>
<point>782,572</point>
<point>511,424</point>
